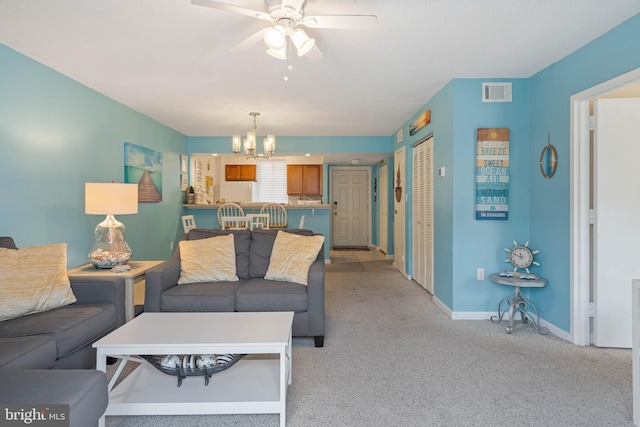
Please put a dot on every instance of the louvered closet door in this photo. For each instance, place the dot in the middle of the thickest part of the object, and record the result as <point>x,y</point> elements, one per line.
<point>422,208</point>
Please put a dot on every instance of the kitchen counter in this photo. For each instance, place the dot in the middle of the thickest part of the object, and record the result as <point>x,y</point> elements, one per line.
<point>316,217</point>
<point>258,206</point>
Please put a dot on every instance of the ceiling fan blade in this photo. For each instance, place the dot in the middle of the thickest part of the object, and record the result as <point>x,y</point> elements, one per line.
<point>344,22</point>
<point>248,42</point>
<point>315,54</point>
<point>292,6</point>
<point>215,4</point>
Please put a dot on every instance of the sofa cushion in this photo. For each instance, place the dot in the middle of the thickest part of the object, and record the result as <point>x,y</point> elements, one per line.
<point>73,326</point>
<point>292,256</point>
<point>207,296</point>
<point>33,280</point>
<point>37,352</point>
<point>261,247</point>
<point>241,241</point>
<point>84,390</point>
<point>208,260</point>
<point>269,295</point>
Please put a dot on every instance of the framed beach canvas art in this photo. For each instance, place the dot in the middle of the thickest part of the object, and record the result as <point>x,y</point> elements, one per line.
<point>143,166</point>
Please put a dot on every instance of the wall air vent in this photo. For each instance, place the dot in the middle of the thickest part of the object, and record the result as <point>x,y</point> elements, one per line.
<point>496,92</point>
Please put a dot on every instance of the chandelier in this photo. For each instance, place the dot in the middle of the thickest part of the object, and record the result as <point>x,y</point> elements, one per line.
<point>269,143</point>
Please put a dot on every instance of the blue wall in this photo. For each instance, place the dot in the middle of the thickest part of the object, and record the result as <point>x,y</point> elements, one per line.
<point>480,244</point>
<point>539,207</point>
<point>299,145</point>
<point>461,243</point>
<point>609,56</point>
<point>55,135</point>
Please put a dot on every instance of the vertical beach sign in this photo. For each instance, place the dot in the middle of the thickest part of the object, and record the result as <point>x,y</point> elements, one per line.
<point>492,174</point>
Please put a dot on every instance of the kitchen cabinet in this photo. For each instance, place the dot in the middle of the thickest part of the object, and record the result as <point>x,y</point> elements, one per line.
<point>240,173</point>
<point>304,180</point>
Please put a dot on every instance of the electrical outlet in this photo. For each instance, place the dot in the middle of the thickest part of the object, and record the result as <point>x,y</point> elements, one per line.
<point>480,274</point>
<point>170,245</point>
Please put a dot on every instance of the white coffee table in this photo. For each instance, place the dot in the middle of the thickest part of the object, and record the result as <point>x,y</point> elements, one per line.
<point>251,386</point>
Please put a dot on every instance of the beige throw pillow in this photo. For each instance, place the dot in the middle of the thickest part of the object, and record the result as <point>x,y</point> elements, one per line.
<point>208,260</point>
<point>291,257</point>
<point>33,280</point>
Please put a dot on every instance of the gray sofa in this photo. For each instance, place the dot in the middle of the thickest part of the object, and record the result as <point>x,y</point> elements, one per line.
<point>46,358</point>
<point>251,293</point>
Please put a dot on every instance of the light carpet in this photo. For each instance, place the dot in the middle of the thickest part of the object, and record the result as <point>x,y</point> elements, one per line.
<point>392,358</point>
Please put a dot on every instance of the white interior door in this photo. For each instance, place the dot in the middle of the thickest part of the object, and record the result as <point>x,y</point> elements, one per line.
<point>617,210</point>
<point>399,197</point>
<point>349,191</point>
<point>384,207</point>
<point>422,214</point>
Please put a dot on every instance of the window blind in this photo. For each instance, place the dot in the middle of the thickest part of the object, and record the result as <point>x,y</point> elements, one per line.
<point>271,181</point>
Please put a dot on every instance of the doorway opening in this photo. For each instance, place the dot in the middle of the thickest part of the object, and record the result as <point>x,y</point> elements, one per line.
<point>581,273</point>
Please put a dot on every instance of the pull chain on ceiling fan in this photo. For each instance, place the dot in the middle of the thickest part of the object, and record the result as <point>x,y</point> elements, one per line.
<point>286,16</point>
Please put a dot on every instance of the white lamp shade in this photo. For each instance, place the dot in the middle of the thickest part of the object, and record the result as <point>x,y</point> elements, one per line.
<point>236,144</point>
<point>280,53</point>
<point>251,140</point>
<point>269,144</point>
<point>302,41</point>
<point>275,37</point>
<point>110,198</point>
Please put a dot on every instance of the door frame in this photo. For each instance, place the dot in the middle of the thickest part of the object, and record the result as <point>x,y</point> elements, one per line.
<point>400,218</point>
<point>382,189</point>
<point>580,269</point>
<point>369,200</point>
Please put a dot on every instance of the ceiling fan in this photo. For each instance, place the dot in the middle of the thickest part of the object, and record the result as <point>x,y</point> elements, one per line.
<point>286,16</point>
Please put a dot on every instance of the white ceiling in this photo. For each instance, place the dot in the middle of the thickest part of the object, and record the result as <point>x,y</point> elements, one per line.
<point>168,59</point>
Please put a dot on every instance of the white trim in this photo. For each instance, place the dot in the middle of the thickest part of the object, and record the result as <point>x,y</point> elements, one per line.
<point>442,306</point>
<point>579,196</point>
<point>486,315</point>
<point>474,315</point>
<point>553,329</point>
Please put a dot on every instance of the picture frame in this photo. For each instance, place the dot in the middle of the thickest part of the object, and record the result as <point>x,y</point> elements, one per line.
<point>183,182</point>
<point>492,174</point>
<point>184,163</point>
<point>422,120</point>
<point>143,166</point>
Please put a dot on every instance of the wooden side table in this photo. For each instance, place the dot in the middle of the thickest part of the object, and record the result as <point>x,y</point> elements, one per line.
<point>518,302</point>
<point>131,277</point>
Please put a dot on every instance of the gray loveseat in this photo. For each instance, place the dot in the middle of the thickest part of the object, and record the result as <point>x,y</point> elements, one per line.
<point>46,358</point>
<point>251,293</point>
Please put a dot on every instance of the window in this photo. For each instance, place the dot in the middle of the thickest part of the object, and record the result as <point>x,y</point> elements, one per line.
<point>271,181</point>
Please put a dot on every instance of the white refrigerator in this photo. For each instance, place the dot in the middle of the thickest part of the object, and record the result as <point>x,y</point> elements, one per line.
<point>236,191</point>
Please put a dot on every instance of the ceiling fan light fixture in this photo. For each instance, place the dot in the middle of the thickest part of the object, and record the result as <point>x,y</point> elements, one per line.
<point>276,37</point>
<point>302,41</point>
<point>280,53</point>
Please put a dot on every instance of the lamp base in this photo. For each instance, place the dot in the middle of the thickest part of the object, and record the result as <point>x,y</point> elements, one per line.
<point>106,259</point>
<point>110,248</point>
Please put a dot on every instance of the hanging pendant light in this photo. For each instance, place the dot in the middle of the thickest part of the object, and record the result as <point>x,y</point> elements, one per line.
<point>249,144</point>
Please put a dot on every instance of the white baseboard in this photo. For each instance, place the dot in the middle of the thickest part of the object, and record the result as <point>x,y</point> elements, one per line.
<point>442,306</point>
<point>486,315</point>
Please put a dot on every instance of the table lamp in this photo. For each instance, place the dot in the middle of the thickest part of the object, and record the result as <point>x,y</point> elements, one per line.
<point>110,248</point>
